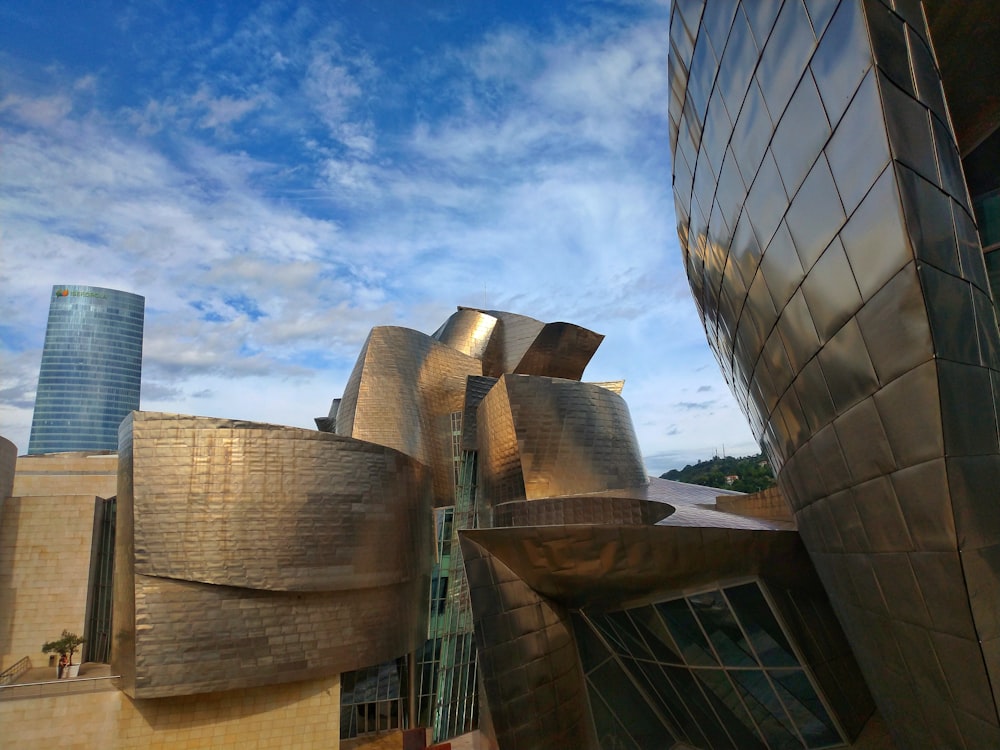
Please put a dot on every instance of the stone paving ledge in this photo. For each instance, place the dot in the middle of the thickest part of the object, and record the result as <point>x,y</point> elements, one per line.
<point>41,681</point>
<point>48,674</point>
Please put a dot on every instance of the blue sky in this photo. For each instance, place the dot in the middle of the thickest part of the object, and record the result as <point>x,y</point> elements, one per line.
<point>277,178</point>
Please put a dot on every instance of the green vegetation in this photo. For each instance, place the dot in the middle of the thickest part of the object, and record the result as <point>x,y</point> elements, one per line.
<point>66,645</point>
<point>753,472</point>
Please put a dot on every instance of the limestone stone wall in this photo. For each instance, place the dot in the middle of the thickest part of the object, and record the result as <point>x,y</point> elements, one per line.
<point>8,460</point>
<point>298,715</point>
<point>67,474</point>
<point>45,545</point>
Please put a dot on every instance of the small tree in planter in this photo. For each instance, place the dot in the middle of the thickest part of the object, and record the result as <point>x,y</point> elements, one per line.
<point>66,645</point>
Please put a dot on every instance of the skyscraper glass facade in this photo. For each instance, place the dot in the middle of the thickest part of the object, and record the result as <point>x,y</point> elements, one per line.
<point>91,369</point>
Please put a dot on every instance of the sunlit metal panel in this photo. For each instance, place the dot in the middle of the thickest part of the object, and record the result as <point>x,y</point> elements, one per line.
<point>402,393</point>
<point>871,349</point>
<point>300,552</point>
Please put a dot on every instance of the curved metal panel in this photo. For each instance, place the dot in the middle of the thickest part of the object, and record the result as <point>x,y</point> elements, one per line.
<point>530,673</point>
<point>272,508</point>
<point>607,568</point>
<point>510,341</point>
<point>402,393</point>
<point>592,509</point>
<point>467,330</point>
<point>207,638</point>
<point>615,386</point>
<point>475,391</point>
<point>561,350</point>
<point>301,552</point>
<point>500,475</point>
<point>597,565</point>
<point>555,437</point>
<point>865,352</point>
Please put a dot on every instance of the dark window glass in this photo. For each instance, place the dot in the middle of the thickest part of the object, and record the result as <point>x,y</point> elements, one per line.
<point>610,632</point>
<point>592,651</point>
<point>610,733</point>
<point>767,712</point>
<point>722,629</point>
<point>806,710</point>
<point>730,709</point>
<point>704,718</point>
<point>671,706</point>
<point>374,700</point>
<point>630,707</point>
<point>634,643</point>
<point>993,272</point>
<point>684,628</point>
<point>656,635</point>
<point>762,628</point>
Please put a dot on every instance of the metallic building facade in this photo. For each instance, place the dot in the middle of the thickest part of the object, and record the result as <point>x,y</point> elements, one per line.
<point>573,536</point>
<point>474,546</point>
<point>401,394</point>
<point>831,245</point>
<point>302,553</point>
<point>310,552</point>
<point>91,369</point>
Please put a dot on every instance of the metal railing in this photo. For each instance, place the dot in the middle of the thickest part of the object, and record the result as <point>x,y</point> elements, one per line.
<point>15,670</point>
<point>51,688</point>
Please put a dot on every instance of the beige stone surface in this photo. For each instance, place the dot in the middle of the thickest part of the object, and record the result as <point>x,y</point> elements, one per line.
<point>44,562</point>
<point>8,460</point>
<point>67,474</point>
<point>301,715</point>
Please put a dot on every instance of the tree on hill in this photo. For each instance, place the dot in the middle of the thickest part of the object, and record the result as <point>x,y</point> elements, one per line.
<point>752,473</point>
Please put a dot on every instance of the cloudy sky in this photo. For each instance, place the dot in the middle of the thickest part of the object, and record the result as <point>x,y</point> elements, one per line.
<point>277,178</point>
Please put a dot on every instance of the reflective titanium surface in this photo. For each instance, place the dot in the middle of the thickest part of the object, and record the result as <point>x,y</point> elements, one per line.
<point>530,585</point>
<point>309,552</point>
<point>577,526</point>
<point>250,554</point>
<point>829,244</point>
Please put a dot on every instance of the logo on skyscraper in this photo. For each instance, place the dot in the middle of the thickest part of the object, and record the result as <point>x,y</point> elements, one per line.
<point>67,293</point>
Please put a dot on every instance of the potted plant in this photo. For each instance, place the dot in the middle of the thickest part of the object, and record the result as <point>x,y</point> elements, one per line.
<point>66,646</point>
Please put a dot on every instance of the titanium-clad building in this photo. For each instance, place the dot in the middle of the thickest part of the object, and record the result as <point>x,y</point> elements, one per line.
<point>338,553</point>
<point>91,369</point>
<point>477,544</point>
<point>831,163</point>
<point>470,542</point>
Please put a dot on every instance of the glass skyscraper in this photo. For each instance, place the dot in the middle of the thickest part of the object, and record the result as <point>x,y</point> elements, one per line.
<point>91,369</point>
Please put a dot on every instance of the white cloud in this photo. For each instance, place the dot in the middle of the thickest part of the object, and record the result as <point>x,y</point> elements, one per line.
<point>333,86</point>
<point>224,110</point>
<point>43,112</point>
<point>271,216</point>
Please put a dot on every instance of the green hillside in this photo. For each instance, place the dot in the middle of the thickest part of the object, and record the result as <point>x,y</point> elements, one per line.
<point>753,472</point>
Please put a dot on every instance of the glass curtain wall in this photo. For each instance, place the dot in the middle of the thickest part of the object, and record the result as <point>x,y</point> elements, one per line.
<point>456,702</point>
<point>102,569</point>
<point>374,699</point>
<point>448,701</point>
<point>715,669</point>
